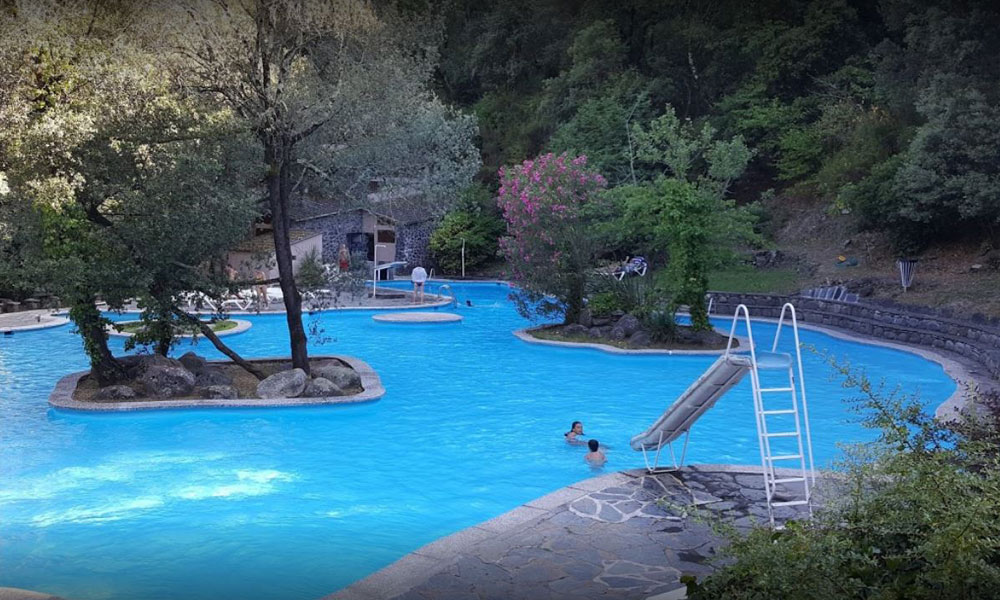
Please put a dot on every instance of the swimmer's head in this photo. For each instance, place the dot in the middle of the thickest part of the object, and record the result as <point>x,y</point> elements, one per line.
<point>593,445</point>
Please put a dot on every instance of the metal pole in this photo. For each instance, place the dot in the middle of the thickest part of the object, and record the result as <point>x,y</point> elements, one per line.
<point>375,267</point>
<point>463,258</point>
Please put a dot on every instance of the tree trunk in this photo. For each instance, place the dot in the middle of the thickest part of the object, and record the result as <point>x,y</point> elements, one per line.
<point>103,366</point>
<point>574,300</point>
<point>277,154</point>
<point>206,330</point>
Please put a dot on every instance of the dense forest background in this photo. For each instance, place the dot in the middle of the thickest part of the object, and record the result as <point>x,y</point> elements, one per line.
<point>886,110</point>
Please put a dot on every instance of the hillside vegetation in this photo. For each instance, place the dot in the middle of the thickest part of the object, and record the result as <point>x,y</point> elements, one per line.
<point>874,122</point>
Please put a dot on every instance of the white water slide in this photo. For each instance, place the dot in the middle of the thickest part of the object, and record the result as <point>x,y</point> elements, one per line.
<point>728,370</point>
<point>719,378</point>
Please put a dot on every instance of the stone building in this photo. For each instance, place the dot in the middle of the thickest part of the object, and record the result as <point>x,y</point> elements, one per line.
<point>397,229</point>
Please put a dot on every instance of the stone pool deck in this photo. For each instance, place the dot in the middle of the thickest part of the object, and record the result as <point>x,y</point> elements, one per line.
<point>30,319</point>
<point>627,535</point>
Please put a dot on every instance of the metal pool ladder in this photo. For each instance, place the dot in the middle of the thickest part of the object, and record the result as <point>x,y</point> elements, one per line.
<point>454,299</point>
<point>806,476</point>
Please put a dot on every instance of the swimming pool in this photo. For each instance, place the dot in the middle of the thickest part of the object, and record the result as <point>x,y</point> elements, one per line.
<point>295,503</point>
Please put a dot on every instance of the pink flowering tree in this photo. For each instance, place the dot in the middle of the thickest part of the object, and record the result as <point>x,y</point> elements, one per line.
<point>549,249</point>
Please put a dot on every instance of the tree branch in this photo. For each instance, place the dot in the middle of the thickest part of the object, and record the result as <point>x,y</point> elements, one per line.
<point>206,330</point>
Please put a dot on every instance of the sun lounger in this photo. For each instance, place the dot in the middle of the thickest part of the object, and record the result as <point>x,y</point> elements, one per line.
<point>635,266</point>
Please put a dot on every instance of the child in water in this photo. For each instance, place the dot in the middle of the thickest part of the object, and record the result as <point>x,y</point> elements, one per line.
<point>575,433</point>
<point>595,457</point>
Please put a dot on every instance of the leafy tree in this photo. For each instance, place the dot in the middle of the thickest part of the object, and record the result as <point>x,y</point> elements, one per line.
<point>950,176</point>
<point>685,209</point>
<point>128,187</point>
<point>476,223</point>
<point>324,87</point>
<point>548,248</point>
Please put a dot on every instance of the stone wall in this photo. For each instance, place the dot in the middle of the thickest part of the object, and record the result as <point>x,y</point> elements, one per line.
<point>413,244</point>
<point>974,339</point>
<point>334,229</point>
<point>412,239</point>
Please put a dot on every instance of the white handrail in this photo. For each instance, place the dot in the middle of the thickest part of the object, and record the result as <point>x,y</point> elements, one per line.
<point>431,274</point>
<point>758,400</point>
<point>454,299</point>
<point>802,379</point>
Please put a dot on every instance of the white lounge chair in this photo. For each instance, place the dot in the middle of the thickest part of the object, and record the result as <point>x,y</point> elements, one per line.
<point>197,301</point>
<point>636,265</point>
<point>242,300</point>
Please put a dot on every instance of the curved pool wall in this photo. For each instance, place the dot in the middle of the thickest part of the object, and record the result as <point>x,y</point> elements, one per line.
<point>296,503</point>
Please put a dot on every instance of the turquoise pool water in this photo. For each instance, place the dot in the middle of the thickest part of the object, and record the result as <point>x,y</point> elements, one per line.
<point>296,503</point>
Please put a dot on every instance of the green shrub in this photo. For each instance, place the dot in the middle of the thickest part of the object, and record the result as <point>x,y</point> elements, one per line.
<point>661,325</point>
<point>476,219</point>
<point>914,517</point>
<point>311,274</point>
<point>605,303</point>
<point>480,233</point>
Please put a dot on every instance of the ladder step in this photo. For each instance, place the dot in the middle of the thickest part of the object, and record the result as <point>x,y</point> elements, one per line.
<point>785,457</point>
<point>783,411</point>
<point>783,434</point>
<point>779,389</point>
<point>789,480</point>
<point>790,503</point>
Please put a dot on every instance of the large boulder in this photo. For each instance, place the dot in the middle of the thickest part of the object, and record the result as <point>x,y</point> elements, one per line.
<point>586,318</point>
<point>136,364</point>
<point>212,376</point>
<point>617,334</point>
<point>640,339</point>
<point>221,391</point>
<point>321,387</point>
<point>283,384</point>
<point>343,377</point>
<point>192,362</point>
<point>113,393</point>
<point>629,324</point>
<point>167,380</point>
<point>575,329</point>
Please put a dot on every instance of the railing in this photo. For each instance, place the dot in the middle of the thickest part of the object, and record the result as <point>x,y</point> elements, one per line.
<point>802,378</point>
<point>454,299</point>
<point>382,269</point>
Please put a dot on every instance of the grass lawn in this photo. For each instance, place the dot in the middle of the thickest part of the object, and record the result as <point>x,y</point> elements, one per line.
<point>743,278</point>
<point>218,326</point>
<point>751,280</point>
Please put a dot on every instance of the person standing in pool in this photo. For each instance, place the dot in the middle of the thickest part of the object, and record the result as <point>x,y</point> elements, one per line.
<point>419,277</point>
<point>575,433</point>
<point>595,457</point>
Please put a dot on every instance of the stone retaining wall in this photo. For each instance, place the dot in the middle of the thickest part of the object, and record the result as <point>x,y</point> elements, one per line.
<point>976,341</point>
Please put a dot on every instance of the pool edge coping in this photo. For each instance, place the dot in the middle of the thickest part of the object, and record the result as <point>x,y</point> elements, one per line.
<point>62,395</point>
<point>948,409</point>
<point>525,336</point>
<point>54,321</point>
<point>417,566</point>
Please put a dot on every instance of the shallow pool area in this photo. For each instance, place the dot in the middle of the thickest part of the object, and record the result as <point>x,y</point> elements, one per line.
<point>295,503</point>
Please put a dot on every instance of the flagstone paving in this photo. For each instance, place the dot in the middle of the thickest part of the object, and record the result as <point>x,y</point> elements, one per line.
<point>622,536</point>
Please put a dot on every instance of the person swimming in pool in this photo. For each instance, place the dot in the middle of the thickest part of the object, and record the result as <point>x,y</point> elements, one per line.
<point>595,457</point>
<point>575,433</point>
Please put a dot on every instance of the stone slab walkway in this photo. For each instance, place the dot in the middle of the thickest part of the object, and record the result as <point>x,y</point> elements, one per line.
<point>622,536</point>
<point>30,319</point>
